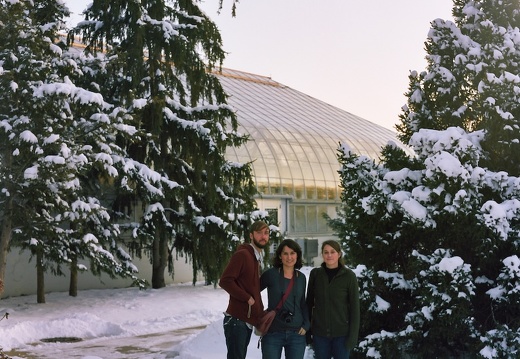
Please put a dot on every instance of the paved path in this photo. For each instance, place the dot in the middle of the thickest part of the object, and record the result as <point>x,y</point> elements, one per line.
<point>150,346</point>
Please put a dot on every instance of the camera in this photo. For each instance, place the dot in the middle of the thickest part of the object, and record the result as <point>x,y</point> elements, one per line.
<point>287,316</point>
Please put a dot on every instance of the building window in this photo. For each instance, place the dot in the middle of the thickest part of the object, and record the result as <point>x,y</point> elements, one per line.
<point>308,218</point>
<point>273,215</point>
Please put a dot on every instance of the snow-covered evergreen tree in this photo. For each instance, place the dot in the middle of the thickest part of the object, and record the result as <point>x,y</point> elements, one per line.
<point>471,80</point>
<point>435,236</point>
<point>53,135</point>
<point>159,60</point>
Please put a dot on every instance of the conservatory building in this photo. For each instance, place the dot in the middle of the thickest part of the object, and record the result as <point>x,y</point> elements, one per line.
<point>293,150</point>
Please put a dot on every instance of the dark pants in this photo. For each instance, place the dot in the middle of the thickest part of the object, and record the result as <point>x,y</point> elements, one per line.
<point>327,348</point>
<point>292,342</point>
<point>237,335</point>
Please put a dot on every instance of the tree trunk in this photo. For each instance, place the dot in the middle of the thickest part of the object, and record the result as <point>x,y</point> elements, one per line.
<point>73,284</point>
<point>159,261</point>
<point>5,239</point>
<point>40,279</point>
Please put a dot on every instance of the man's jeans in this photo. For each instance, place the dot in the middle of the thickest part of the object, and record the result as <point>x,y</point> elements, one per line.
<point>237,335</point>
<point>293,343</point>
<point>326,348</point>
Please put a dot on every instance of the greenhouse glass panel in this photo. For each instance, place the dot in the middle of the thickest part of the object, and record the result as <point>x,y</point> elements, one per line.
<point>288,126</point>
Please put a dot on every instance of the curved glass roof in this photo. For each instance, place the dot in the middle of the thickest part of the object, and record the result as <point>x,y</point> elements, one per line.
<point>294,137</point>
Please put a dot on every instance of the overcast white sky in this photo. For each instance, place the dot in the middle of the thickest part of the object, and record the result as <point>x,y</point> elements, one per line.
<point>355,55</point>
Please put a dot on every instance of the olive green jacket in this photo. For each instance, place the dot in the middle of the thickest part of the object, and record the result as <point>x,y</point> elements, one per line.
<point>334,306</point>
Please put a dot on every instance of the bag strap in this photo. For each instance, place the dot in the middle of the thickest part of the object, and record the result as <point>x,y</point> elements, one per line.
<point>284,297</point>
<point>287,292</point>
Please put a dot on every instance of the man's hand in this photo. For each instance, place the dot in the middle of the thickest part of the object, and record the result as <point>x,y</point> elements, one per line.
<point>251,301</point>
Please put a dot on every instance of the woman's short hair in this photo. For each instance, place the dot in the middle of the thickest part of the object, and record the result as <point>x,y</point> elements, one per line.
<point>336,246</point>
<point>277,261</point>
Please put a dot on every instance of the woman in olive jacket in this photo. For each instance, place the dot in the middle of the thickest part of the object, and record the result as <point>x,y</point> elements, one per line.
<point>333,301</point>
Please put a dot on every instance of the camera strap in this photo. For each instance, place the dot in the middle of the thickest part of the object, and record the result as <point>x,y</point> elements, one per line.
<point>287,292</point>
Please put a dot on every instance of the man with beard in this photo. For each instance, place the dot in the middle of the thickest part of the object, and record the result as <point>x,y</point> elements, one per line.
<point>241,279</point>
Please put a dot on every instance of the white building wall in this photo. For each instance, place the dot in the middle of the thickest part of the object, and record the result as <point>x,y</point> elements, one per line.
<point>20,276</point>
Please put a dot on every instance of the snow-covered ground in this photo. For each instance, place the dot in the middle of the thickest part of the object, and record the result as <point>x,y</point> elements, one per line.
<point>180,321</point>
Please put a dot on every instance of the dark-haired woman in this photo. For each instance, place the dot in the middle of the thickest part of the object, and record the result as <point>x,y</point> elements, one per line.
<point>288,329</point>
<point>333,300</point>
